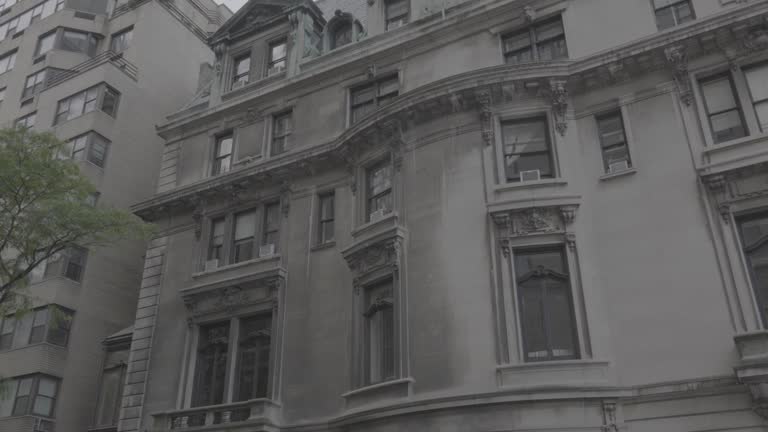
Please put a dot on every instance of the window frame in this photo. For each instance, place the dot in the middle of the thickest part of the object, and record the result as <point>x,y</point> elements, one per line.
<point>674,8</point>
<point>98,103</point>
<point>286,137</point>
<point>235,77</point>
<point>25,118</point>
<point>533,42</point>
<point>551,142</point>
<point>10,56</point>
<point>322,221</point>
<point>34,394</point>
<point>52,34</point>
<point>369,195</point>
<point>215,170</point>
<point>704,108</point>
<point>623,119</point>
<point>119,36</point>
<point>761,304</point>
<point>271,62</point>
<point>90,136</point>
<point>122,366</point>
<point>30,92</point>
<point>400,20</point>
<point>744,70</point>
<point>370,312</point>
<point>377,98</point>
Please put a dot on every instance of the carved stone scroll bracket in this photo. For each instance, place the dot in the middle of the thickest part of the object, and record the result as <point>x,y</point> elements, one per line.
<point>285,197</point>
<point>504,223</point>
<point>715,183</point>
<point>486,116</point>
<point>220,51</point>
<point>559,99</point>
<point>568,213</point>
<point>294,18</point>
<point>570,240</point>
<point>529,14</point>
<point>610,423</point>
<point>350,164</point>
<point>197,218</point>
<point>725,212</point>
<point>756,40</point>
<point>677,59</point>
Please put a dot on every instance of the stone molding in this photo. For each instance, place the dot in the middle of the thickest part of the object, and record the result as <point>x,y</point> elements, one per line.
<point>736,186</point>
<point>535,221</point>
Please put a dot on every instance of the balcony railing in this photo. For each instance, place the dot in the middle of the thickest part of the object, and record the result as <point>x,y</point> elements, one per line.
<point>253,411</point>
<point>106,57</point>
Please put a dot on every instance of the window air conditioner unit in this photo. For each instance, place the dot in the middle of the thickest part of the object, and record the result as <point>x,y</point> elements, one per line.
<point>618,166</point>
<point>212,264</point>
<point>378,214</point>
<point>239,84</point>
<point>532,175</point>
<point>266,250</point>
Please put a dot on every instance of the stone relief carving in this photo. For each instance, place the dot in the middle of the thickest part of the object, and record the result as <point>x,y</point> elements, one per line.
<point>677,58</point>
<point>383,254</point>
<point>756,40</point>
<point>220,51</point>
<point>534,221</point>
<point>559,99</point>
<point>486,118</point>
<point>229,299</point>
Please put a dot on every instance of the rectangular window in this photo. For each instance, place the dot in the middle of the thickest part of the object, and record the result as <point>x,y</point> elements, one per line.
<point>271,234</point>
<point>278,52</point>
<point>90,146</point>
<point>222,154</point>
<point>369,97</point>
<point>526,149</point>
<point>613,142</point>
<point>670,13</point>
<point>87,101</point>
<point>74,263</point>
<point>282,128</point>
<point>216,242</point>
<point>20,22</point>
<point>121,40</point>
<point>35,395</point>
<point>45,43</point>
<point>242,71</point>
<point>757,81</point>
<point>723,109</point>
<point>546,309</point>
<point>254,347</point>
<point>378,190</point>
<point>754,233</point>
<point>7,328</point>
<point>244,236</point>
<point>396,13</point>
<point>78,42</point>
<point>326,216</point>
<point>379,333</point>
<point>28,121</point>
<point>7,62</point>
<point>211,365</point>
<point>544,41</point>
<point>111,388</point>
<point>39,324</point>
<point>33,84</point>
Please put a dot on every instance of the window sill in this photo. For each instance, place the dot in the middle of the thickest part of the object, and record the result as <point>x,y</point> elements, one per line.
<point>623,173</point>
<point>231,93</point>
<point>230,267</point>
<point>321,246</point>
<point>554,374</point>
<point>530,184</point>
<point>376,393</point>
<point>738,142</point>
<point>387,220</point>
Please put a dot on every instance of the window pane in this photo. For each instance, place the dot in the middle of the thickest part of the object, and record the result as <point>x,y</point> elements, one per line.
<point>98,150</point>
<point>611,130</point>
<point>38,326</point>
<point>109,397</point>
<point>43,406</point>
<point>548,30</point>
<point>363,95</point>
<point>253,357</point>
<point>761,110</point>
<point>532,317</point>
<point>245,225</point>
<point>109,105</point>
<point>74,41</point>
<point>23,331</point>
<point>554,49</point>
<point>560,317</point>
<point>277,51</point>
<point>517,41</point>
<point>683,12</point>
<point>665,18</point>
<point>326,207</point>
<point>210,369</point>
<point>727,126</point>
<point>529,261</point>
<point>60,324</point>
<point>342,35</point>
<point>46,387</point>
<point>76,104</point>
<point>45,44</point>
<point>757,79</point>
<point>224,146</point>
<point>380,179</point>
<point>718,95</point>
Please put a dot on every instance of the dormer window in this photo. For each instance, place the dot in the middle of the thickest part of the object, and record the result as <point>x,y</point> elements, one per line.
<point>242,71</point>
<point>278,53</point>
<point>341,30</point>
<point>342,35</point>
<point>396,13</point>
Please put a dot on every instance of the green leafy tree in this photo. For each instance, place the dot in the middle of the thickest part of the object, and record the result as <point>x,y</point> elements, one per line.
<point>46,207</point>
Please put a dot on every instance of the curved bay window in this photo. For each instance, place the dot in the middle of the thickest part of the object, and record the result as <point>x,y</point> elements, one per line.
<point>379,333</point>
<point>211,365</point>
<point>253,357</point>
<point>545,303</point>
<point>754,238</point>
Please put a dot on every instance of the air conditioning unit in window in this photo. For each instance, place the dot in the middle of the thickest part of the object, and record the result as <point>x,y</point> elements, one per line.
<point>212,264</point>
<point>378,214</point>
<point>266,250</point>
<point>532,175</point>
<point>618,166</point>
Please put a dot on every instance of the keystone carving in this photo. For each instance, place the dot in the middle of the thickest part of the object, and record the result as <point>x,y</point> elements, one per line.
<point>677,58</point>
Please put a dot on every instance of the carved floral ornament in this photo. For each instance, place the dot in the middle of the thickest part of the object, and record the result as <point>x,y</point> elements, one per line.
<point>385,254</point>
<point>230,299</point>
<point>535,221</point>
<point>746,187</point>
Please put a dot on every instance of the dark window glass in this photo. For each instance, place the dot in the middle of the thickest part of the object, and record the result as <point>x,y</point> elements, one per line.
<point>6,332</point>
<point>367,98</point>
<point>757,81</point>
<point>342,35</point>
<point>60,322</point>
<point>78,42</point>
<point>754,239</point>
<point>670,13</point>
<point>23,396</point>
<point>723,109</point>
<point>109,104</point>
<point>271,225</point>
<point>122,40</point>
<point>380,333</point>
<point>45,43</point>
<point>34,84</point>
<point>110,393</point>
<point>39,323</point>
<point>282,129</point>
<point>613,142</point>
<point>543,41</point>
<point>244,236</point>
<point>253,357</point>
<point>546,312</point>
<point>379,190</point>
<point>75,263</point>
<point>277,57</point>
<point>326,220</point>
<point>396,13</point>
<point>216,242</point>
<point>222,155</point>
<point>36,395</point>
<point>526,148</point>
<point>242,71</point>
<point>211,365</point>
<point>7,62</point>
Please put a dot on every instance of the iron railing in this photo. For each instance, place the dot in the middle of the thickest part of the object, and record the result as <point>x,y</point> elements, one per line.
<point>112,57</point>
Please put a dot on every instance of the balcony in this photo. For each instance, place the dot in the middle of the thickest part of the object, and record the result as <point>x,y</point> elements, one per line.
<point>115,59</point>
<point>252,415</point>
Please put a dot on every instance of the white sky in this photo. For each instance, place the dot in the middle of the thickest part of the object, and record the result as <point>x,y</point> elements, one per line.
<point>232,4</point>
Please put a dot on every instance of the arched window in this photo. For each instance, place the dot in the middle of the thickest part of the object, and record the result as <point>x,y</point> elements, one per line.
<point>341,30</point>
<point>342,35</point>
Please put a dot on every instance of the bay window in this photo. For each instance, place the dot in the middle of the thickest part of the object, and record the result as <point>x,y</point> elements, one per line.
<point>50,324</point>
<point>35,395</point>
<point>101,96</point>
<point>91,147</point>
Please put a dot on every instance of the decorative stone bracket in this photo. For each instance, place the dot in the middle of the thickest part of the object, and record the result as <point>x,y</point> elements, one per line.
<point>535,220</point>
<point>559,98</point>
<point>677,59</point>
<point>753,368</point>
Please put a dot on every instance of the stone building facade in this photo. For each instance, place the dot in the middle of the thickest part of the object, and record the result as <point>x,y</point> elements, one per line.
<point>97,74</point>
<point>486,215</point>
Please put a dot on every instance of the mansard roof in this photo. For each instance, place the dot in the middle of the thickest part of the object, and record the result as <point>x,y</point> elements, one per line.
<point>257,14</point>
